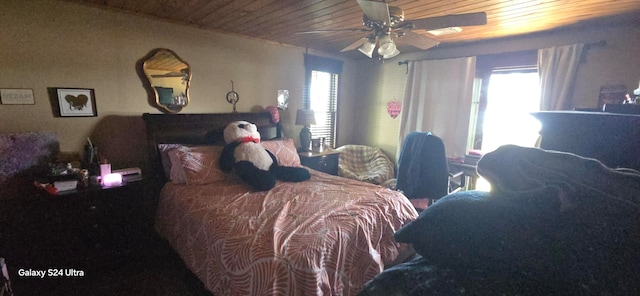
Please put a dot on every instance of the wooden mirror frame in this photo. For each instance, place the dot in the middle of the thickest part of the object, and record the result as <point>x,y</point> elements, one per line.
<point>166,74</point>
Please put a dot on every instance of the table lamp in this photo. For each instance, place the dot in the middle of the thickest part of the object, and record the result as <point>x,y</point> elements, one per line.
<point>306,118</point>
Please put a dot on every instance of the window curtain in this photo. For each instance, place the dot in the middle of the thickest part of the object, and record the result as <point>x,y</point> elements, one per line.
<point>557,67</point>
<point>438,99</point>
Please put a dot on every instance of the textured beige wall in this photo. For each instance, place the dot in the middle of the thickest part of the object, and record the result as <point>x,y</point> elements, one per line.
<point>46,43</point>
<point>617,62</point>
<point>384,82</point>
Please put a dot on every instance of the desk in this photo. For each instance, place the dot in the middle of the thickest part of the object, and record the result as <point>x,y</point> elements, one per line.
<point>468,170</point>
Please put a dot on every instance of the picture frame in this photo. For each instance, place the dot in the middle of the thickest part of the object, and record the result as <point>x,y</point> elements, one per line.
<point>611,95</point>
<point>16,96</point>
<point>73,102</point>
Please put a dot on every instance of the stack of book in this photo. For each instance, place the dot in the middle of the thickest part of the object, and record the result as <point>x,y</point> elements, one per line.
<point>472,157</point>
<point>129,174</point>
<point>62,186</point>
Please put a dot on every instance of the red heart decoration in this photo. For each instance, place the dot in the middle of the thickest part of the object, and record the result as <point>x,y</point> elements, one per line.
<point>394,108</point>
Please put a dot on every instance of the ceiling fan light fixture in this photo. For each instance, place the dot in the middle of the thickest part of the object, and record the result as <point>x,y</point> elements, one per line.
<point>384,22</point>
<point>367,48</point>
<point>395,53</point>
<point>387,46</point>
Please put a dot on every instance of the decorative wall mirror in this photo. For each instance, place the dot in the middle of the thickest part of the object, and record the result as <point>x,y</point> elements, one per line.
<point>169,77</point>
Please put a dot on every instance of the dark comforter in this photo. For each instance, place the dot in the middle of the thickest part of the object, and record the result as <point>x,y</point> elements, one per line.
<point>560,237</point>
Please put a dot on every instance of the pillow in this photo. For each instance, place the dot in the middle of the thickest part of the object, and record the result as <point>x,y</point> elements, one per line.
<point>284,150</point>
<point>25,157</point>
<point>165,159</point>
<point>474,230</point>
<point>176,172</point>
<point>200,164</point>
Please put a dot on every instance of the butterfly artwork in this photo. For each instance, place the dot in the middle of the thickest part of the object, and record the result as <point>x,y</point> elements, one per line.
<point>77,102</point>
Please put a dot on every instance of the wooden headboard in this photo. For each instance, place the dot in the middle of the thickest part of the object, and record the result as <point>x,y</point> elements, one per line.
<point>195,129</point>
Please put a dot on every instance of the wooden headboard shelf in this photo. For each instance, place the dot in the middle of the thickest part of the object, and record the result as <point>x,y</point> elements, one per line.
<point>195,129</point>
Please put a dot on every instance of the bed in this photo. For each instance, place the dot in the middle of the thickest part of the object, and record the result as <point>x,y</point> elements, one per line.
<point>555,223</point>
<point>325,236</point>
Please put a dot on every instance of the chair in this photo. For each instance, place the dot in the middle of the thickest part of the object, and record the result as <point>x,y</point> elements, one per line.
<point>423,171</point>
<point>365,163</point>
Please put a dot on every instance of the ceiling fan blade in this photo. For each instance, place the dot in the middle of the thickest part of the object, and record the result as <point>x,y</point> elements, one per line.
<point>377,11</point>
<point>453,20</point>
<point>335,30</point>
<point>418,40</point>
<point>355,45</point>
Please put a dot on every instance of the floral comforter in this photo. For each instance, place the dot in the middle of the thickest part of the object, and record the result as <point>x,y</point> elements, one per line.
<point>325,236</point>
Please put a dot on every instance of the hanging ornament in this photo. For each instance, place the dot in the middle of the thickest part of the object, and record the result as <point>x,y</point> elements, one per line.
<point>233,97</point>
<point>393,108</point>
<point>283,99</point>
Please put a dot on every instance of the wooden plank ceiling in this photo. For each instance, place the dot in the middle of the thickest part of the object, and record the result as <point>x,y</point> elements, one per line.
<point>279,20</point>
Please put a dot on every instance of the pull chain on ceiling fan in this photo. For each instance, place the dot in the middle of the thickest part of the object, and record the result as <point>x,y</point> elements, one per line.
<point>386,22</point>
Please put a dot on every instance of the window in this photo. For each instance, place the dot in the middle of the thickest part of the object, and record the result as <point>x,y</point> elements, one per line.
<point>321,95</point>
<point>512,95</point>
<point>509,91</point>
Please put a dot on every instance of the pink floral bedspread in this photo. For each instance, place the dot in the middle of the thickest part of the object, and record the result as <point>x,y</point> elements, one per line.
<point>325,236</point>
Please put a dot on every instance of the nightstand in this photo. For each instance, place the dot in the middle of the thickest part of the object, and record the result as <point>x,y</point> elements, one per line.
<point>110,221</point>
<point>87,228</point>
<point>326,161</point>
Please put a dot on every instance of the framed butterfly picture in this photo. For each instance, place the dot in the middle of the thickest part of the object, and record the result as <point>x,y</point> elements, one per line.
<point>74,102</point>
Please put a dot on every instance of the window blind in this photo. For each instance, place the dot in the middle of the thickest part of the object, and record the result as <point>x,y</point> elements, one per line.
<point>321,95</point>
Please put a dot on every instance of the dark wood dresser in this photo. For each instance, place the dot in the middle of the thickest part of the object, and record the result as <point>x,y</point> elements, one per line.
<point>84,230</point>
<point>611,138</point>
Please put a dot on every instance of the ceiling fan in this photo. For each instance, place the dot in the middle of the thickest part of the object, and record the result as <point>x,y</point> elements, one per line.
<point>386,22</point>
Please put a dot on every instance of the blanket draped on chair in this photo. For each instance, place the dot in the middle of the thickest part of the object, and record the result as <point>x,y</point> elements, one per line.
<point>365,163</point>
<point>422,167</point>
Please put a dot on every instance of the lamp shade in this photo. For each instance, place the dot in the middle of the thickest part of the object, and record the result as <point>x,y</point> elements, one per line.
<point>305,117</point>
<point>367,48</point>
<point>395,53</point>
<point>387,47</point>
